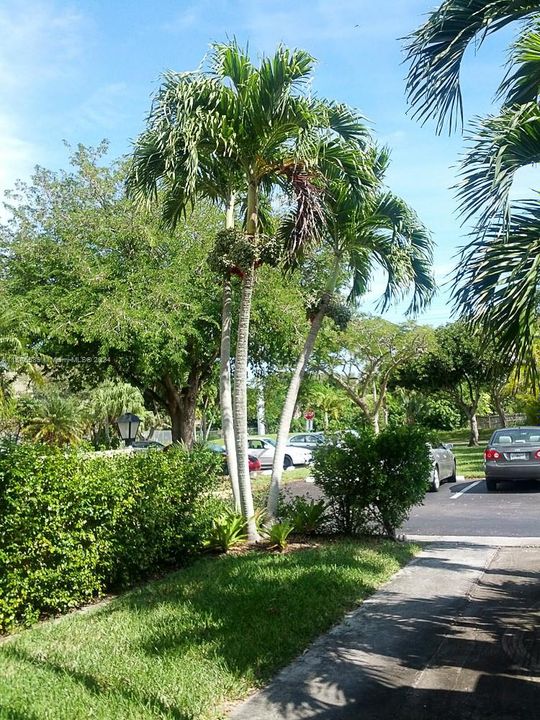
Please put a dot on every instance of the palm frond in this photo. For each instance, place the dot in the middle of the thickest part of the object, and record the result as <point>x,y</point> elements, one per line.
<point>522,82</point>
<point>499,147</point>
<point>497,283</point>
<point>435,52</point>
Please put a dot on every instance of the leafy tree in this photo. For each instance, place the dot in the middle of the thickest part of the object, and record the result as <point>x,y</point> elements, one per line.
<point>499,274</point>
<point>368,355</point>
<point>462,366</point>
<point>254,129</point>
<point>107,292</point>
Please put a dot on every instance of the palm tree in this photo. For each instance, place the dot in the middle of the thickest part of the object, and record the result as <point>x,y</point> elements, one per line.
<point>248,128</point>
<point>378,229</point>
<point>111,399</point>
<point>55,419</point>
<point>497,281</point>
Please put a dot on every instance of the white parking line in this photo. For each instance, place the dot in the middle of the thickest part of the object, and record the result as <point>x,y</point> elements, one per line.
<point>455,496</point>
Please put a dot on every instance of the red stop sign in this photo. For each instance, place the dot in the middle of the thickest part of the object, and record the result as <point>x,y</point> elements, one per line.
<point>309,415</point>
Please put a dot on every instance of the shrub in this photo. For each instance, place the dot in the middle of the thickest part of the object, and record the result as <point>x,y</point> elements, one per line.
<point>307,516</point>
<point>228,530</point>
<point>372,481</point>
<point>73,526</point>
<point>278,534</point>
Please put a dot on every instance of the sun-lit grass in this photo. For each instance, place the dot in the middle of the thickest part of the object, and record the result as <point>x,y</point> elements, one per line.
<point>186,646</point>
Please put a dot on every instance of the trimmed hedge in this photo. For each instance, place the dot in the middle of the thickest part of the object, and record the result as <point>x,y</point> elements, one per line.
<point>74,526</point>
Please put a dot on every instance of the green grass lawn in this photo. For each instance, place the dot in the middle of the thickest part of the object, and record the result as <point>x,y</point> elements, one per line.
<point>186,646</point>
<point>469,459</point>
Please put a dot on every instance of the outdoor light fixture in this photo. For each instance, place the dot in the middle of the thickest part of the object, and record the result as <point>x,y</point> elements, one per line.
<point>128,425</point>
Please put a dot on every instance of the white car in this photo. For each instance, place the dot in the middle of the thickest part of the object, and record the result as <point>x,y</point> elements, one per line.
<point>264,449</point>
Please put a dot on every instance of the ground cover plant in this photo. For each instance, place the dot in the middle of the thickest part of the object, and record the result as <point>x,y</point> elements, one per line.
<point>187,645</point>
<point>74,526</point>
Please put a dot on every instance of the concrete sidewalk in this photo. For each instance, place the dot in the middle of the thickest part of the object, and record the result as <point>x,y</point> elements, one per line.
<point>454,635</point>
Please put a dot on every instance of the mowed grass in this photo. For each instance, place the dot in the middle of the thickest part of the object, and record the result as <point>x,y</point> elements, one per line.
<point>186,646</point>
<point>469,459</point>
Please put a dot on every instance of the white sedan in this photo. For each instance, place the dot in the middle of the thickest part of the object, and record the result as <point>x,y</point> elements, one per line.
<point>264,449</point>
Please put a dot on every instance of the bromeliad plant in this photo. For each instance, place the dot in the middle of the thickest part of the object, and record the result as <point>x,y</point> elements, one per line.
<point>306,516</point>
<point>228,530</point>
<point>278,534</point>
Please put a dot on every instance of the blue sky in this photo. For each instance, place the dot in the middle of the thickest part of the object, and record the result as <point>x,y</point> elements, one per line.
<point>84,71</point>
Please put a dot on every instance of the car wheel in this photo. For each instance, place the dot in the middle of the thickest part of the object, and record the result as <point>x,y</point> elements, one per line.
<point>491,484</point>
<point>287,462</point>
<point>453,476</point>
<point>435,479</point>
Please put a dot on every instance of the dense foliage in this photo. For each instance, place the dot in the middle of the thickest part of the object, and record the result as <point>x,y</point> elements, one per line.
<point>372,481</point>
<point>73,526</point>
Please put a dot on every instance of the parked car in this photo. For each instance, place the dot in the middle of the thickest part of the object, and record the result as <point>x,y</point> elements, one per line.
<point>307,440</point>
<point>512,454</point>
<point>253,461</point>
<point>265,450</point>
<point>139,445</point>
<point>444,465</point>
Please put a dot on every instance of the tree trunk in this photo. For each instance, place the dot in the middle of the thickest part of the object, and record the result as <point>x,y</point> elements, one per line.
<point>261,419</point>
<point>473,426</point>
<point>375,422</point>
<point>225,392</point>
<point>288,409</point>
<point>240,403</point>
<point>181,404</point>
<point>499,408</point>
<point>227,424</point>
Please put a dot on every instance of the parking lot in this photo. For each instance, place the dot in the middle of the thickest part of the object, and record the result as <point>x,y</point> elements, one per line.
<point>466,508</point>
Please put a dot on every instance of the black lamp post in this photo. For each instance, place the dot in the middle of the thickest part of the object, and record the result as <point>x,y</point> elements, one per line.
<point>128,425</point>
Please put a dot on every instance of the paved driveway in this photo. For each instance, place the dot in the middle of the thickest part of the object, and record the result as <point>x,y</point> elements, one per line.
<point>454,635</point>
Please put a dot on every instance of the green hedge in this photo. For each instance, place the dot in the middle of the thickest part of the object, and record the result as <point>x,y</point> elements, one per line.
<point>74,526</point>
<point>372,481</point>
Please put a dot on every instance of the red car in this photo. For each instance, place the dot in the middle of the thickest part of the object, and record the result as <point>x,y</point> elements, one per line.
<point>254,463</point>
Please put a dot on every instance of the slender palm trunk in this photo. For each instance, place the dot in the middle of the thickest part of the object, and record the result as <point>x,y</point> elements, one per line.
<point>227,424</point>
<point>288,409</point>
<point>240,403</point>
<point>240,373</point>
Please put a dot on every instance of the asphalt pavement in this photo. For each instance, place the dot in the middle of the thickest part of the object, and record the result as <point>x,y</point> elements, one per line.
<point>454,635</point>
<point>467,509</point>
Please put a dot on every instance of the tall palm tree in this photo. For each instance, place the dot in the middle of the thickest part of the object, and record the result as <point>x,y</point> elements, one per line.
<point>497,281</point>
<point>362,232</point>
<point>258,128</point>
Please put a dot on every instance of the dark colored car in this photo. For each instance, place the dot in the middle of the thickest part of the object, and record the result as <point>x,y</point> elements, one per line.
<point>254,464</point>
<point>147,445</point>
<point>512,454</point>
<point>444,465</point>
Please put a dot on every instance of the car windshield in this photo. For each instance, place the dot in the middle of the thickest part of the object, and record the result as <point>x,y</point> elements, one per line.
<point>270,442</point>
<point>517,436</point>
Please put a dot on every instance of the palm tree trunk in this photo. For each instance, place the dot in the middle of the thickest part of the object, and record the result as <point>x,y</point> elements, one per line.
<point>240,371</point>
<point>225,392</point>
<point>288,408</point>
<point>240,403</point>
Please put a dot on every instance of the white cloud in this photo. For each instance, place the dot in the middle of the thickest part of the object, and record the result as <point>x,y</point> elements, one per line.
<point>40,40</point>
